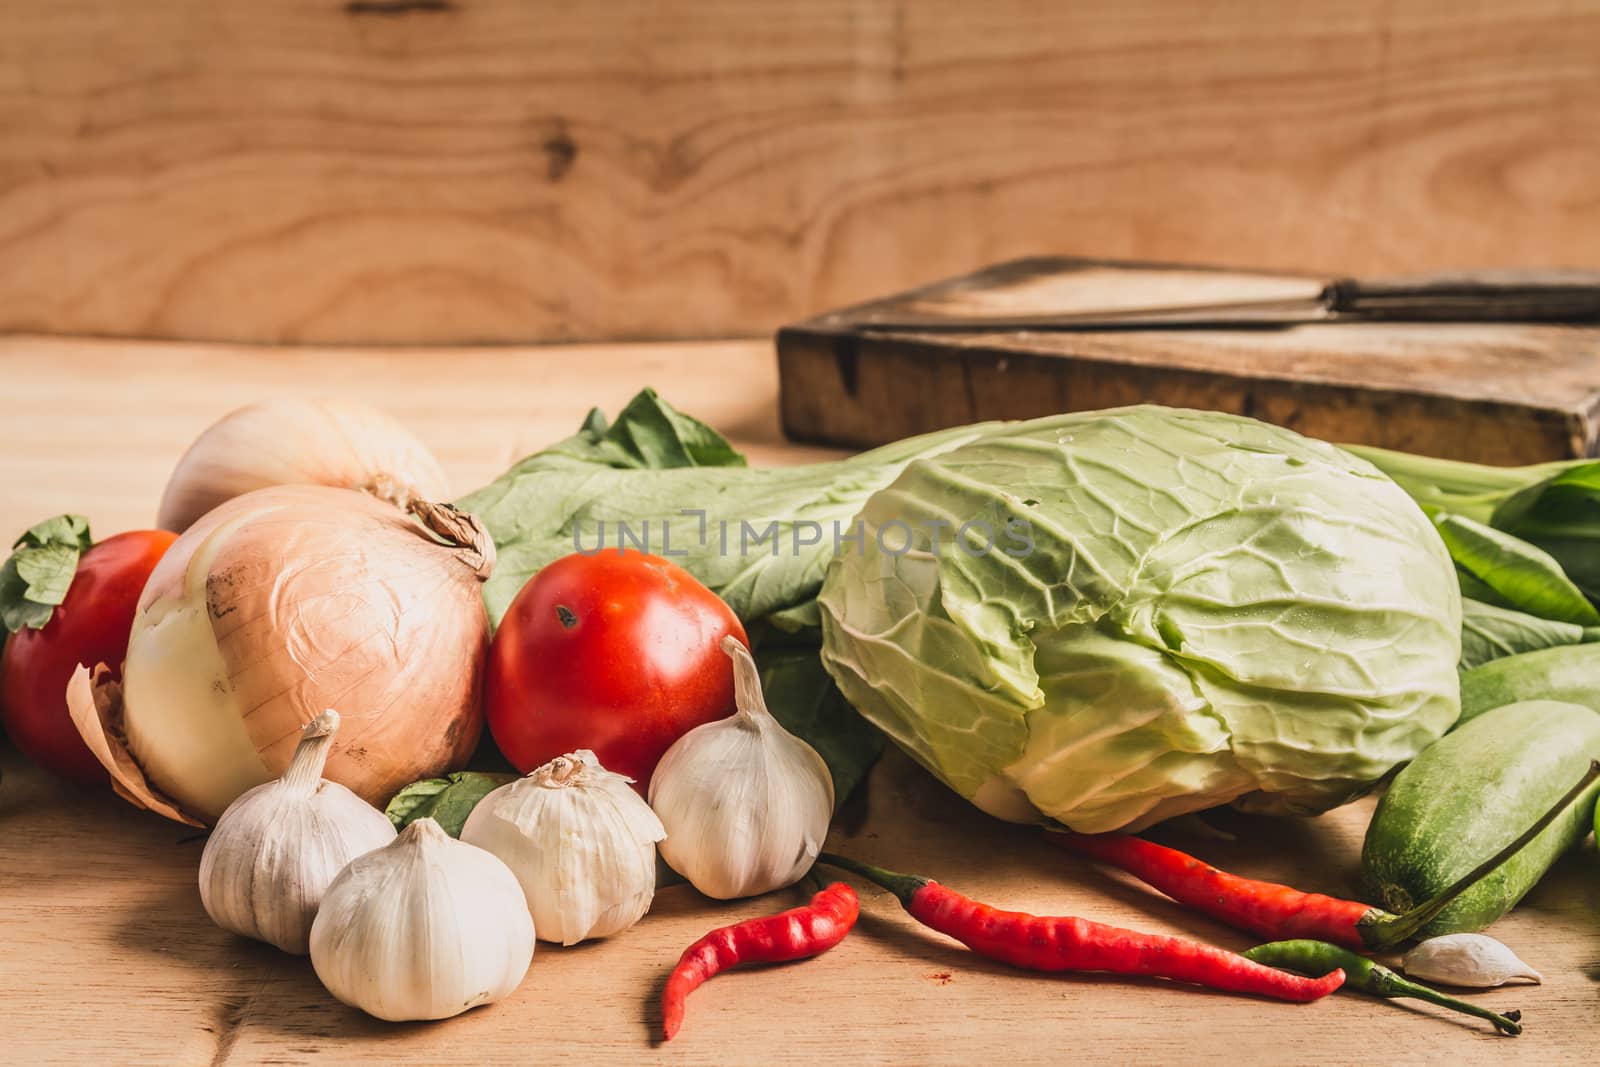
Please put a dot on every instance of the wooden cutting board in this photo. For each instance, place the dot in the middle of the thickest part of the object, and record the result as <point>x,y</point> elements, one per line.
<point>1494,393</point>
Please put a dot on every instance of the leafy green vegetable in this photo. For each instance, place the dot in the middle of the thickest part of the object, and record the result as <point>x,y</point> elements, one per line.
<point>1563,504</point>
<point>413,801</point>
<point>1553,506</point>
<point>1490,632</point>
<point>759,538</point>
<point>1213,610</point>
<point>1520,574</point>
<point>1580,558</point>
<point>70,530</point>
<point>649,434</point>
<point>36,577</point>
<point>448,800</point>
<point>1475,490</point>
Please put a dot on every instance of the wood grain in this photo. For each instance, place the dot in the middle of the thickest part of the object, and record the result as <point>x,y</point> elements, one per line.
<point>107,957</point>
<point>466,170</point>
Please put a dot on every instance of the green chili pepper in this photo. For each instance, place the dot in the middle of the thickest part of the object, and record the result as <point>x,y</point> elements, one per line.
<point>1369,976</point>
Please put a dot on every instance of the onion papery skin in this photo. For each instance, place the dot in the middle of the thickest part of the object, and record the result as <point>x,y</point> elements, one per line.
<point>293,441</point>
<point>312,597</point>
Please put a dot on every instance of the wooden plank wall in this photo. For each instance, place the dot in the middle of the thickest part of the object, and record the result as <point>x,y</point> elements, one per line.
<point>497,170</point>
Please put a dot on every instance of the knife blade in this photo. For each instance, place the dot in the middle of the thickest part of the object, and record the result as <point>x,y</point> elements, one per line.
<point>1547,296</point>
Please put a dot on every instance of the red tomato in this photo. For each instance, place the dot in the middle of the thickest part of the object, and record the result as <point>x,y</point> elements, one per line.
<point>615,652</point>
<point>90,626</point>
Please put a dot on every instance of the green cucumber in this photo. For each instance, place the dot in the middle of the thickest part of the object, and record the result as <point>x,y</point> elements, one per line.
<point>1472,793</point>
<point>1570,673</point>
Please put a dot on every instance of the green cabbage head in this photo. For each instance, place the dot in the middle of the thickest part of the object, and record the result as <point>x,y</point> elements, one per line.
<point>1211,609</point>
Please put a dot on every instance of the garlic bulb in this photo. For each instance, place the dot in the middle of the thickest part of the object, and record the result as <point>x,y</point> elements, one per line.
<point>1474,961</point>
<point>276,848</point>
<point>276,605</point>
<point>424,928</point>
<point>338,443</point>
<point>746,803</point>
<point>581,842</point>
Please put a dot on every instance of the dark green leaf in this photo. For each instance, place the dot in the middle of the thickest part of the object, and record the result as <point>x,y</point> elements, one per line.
<point>1566,504</point>
<point>1580,558</point>
<point>37,575</point>
<point>1473,588</point>
<point>1489,632</point>
<point>414,801</point>
<point>649,434</point>
<point>1522,575</point>
<point>48,572</point>
<point>16,610</point>
<point>802,697</point>
<point>448,800</point>
<point>1562,516</point>
<point>72,530</point>
<point>594,424</point>
<point>661,436</point>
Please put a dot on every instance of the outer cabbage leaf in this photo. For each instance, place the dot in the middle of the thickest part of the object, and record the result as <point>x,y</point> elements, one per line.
<point>1213,610</point>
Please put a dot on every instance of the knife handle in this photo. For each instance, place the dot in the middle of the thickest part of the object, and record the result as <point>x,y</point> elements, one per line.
<point>1471,296</point>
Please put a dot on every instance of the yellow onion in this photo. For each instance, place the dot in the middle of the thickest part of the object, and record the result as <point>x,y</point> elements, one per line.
<point>300,442</point>
<point>274,606</point>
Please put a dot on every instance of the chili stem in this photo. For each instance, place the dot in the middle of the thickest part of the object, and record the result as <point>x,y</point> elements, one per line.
<point>1381,930</point>
<point>1312,957</point>
<point>904,886</point>
<point>1507,1023</point>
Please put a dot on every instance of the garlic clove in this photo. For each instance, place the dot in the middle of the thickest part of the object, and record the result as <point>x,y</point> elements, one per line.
<point>745,803</point>
<point>581,843</point>
<point>278,847</point>
<point>1473,961</point>
<point>424,928</point>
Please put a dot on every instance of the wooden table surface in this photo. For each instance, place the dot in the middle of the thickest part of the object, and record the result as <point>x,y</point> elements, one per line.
<point>107,957</point>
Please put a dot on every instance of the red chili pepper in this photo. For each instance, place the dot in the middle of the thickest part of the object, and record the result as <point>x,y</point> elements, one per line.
<point>1064,943</point>
<point>1265,908</point>
<point>796,934</point>
<point>1278,911</point>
